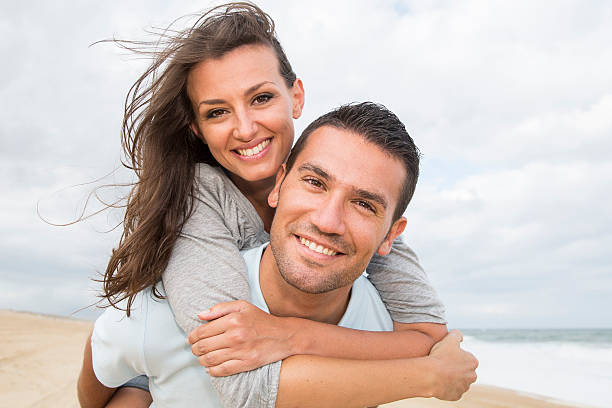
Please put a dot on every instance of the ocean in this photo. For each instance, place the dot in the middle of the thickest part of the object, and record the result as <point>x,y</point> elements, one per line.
<point>573,365</point>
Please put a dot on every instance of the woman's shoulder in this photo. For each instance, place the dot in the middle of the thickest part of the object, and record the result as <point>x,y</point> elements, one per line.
<point>205,173</point>
<point>212,180</point>
<point>217,197</point>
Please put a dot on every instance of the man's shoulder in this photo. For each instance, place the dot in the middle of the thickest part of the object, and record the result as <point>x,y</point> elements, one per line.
<point>146,309</point>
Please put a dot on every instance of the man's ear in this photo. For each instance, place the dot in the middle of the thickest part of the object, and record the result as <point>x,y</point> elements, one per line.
<point>396,229</point>
<point>275,193</point>
<point>196,132</point>
<point>297,96</point>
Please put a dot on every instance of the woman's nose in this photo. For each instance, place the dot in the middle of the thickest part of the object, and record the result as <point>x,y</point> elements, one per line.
<point>245,127</point>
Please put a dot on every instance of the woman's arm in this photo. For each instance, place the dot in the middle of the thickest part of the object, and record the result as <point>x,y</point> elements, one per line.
<point>205,266</point>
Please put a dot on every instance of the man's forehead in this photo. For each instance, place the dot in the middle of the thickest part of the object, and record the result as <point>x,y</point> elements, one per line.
<point>348,157</point>
<point>328,136</point>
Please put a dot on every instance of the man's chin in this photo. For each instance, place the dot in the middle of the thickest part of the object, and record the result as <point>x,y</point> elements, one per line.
<point>309,286</point>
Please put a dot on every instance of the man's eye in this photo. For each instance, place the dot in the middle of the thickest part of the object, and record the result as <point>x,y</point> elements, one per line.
<point>262,98</point>
<point>365,205</point>
<point>314,182</point>
<point>215,113</point>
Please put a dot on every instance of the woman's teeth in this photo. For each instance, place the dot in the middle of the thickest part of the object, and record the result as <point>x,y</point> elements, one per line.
<point>254,150</point>
<point>317,248</point>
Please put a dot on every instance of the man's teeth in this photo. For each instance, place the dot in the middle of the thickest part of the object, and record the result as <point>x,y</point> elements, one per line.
<point>254,150</point>
<point>317,248</point>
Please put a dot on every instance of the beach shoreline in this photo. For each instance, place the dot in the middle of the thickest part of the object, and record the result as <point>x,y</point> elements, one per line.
<point>41,358</point>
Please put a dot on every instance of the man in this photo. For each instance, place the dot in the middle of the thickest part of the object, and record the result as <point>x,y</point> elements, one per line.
<point>329,222</point>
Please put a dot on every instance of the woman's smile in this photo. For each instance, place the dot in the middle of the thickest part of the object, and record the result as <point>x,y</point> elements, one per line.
<point>254,151</point>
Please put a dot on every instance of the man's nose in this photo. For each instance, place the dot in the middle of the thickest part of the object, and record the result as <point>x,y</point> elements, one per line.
<point>329,216</point>
<point>245,127</point>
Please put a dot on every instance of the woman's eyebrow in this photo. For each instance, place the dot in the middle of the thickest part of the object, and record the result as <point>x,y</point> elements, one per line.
<point>256,87</point>
<point>222,101</point>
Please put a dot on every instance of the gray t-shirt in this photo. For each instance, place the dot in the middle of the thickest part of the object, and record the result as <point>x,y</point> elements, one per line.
<point>206,268</point>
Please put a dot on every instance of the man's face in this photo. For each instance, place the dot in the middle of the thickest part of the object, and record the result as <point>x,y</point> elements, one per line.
<point>334,209</point>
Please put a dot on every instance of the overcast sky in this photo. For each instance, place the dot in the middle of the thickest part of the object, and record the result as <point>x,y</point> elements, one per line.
<point>509,102</point>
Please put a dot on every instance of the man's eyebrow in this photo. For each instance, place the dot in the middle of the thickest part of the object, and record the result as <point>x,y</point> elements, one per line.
<point>360,192</point>
<point>317,170</point>
<point>222,101</point>
<point>371,196</point>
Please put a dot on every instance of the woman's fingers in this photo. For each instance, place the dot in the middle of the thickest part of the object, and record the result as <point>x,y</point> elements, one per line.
<point>210,329</point>
<point>208,345</point>
<point>214,358</point>
<point>229,368</point>
<point>220,309</point>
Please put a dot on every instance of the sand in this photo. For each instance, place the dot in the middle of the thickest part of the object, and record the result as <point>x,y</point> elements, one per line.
<point>485,396</point>
<point>40,358</point>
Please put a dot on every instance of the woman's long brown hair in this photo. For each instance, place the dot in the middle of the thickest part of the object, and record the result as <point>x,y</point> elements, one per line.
<point>161,148</point>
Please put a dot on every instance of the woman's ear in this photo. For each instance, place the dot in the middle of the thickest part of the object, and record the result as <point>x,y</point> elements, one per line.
<point>196,132</point>
<point>274,195</point>
<point>396,229</point>
<point>297,94</point>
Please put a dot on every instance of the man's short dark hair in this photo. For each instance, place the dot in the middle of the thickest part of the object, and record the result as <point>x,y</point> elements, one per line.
<point>379,126</point>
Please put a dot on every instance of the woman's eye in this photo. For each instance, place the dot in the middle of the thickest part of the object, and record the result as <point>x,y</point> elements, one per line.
<point>215,113</point>
<point>263,98</point>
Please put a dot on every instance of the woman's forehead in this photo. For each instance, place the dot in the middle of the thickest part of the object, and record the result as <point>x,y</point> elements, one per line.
<point>236,71</point>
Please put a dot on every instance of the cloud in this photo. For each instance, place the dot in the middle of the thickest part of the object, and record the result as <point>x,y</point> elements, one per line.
<point>509,104</point>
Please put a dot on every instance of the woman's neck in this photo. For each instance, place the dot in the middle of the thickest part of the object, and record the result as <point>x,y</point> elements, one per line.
<point>257,193</point>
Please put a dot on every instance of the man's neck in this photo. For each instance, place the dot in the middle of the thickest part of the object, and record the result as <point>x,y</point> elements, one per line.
<point>285,300</point>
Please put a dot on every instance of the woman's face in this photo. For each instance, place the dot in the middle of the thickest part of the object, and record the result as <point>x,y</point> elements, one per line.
<point>244,110</point>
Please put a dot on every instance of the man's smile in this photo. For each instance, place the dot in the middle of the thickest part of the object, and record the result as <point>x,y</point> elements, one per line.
<point>318,247</point>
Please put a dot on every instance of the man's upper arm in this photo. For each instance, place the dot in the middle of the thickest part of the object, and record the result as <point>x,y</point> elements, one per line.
<point>91,392</point>
<point>117,344</point>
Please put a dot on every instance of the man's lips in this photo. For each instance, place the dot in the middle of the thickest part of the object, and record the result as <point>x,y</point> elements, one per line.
<point>318,246</point>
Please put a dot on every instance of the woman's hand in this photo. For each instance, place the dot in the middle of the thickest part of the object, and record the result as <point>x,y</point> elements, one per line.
<point>455,368</point>
<point>240,337</point>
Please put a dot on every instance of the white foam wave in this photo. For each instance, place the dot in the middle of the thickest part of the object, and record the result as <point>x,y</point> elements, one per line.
<point>575,372</point>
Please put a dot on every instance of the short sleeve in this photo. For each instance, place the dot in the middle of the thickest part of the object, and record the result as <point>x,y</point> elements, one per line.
<point>404,286</point>
<point>117,345</point>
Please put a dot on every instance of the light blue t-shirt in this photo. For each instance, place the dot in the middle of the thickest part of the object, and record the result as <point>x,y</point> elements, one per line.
<point>365,311</point>
<point>150,343</point>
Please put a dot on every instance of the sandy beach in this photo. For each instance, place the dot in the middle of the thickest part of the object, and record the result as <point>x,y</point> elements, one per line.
<point>40,357</point>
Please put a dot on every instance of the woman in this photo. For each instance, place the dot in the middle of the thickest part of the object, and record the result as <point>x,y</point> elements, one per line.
<point>206,128</point>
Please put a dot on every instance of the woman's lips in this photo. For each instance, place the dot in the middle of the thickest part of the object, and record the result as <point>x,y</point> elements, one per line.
<point>254,151</point>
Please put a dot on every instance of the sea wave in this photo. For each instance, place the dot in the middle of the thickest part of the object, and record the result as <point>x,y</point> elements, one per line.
<point>570,370</point>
